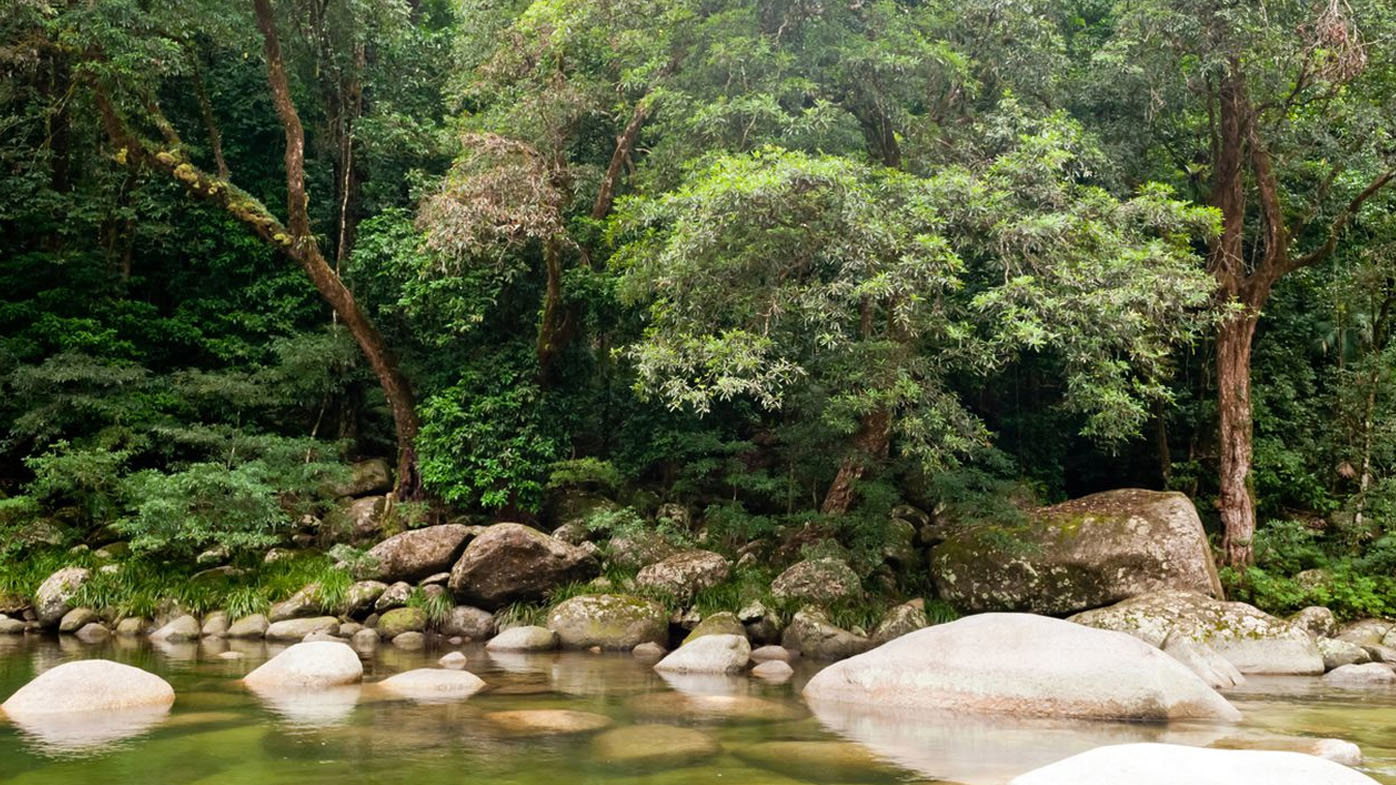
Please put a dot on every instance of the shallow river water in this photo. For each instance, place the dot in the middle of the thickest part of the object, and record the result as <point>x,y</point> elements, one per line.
<point>220,734</point>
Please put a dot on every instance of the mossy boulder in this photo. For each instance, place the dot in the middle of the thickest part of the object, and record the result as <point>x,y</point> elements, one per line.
<point>400,620</point>
<point>724,623</point>
<point>685,573</point>
<point>1082,554</point>
<point>53,597</point>
<point>418,553</point>
<point>819,581</point>
<point>1250,639</point>
<point>610,621</point>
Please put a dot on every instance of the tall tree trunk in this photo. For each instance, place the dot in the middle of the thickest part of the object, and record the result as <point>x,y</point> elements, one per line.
<point>871,442</point>
<point>1236,502</point>
<point>554,328</point>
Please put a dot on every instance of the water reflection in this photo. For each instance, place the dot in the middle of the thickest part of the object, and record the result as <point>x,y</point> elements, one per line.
<point>311,708</point>
<point>76,733</point>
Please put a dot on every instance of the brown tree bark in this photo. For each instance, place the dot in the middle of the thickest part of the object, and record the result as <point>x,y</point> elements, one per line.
<point>1246,269</point>
<point>295,238</point>
<point>871,442</point>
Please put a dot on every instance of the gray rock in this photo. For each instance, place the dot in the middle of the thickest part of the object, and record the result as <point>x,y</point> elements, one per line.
<point>360,598</point>
<point>433,684</point>
<point>976,665</point>
<point>773,670</point>
<point>768,653</point>
<point>316,665</point>
<point>76,619</point>
<point>723,623</point>
<point>364,639</point>
<point>411,640</point>
<point>538,722</point>
<point>395,596</point>
<point>51,600</point>
<point>898,621</point>
<point>361,520</point>
<point>1317,619</point>
<point>302,604</point>
<point>510,562</point>
<point>684,574</point>
<point>1169,764</point>
<point>1253,641</point>
<point>1365,632</point>
<point>523,639</point>
<point>181,628</point>
<point>818,581</point>
<point>1372,674</point>
<point>400,620</point>
<point>436,579</point>
<point>365,477</point>
<point>573,533</point>
<point>467,622</point>
<point>213,556</point>
<point>640,549</point>
<point>11,627</point>
<point>453,660</point>
<point>1337,653</point>
<point>814,636</point>
<point>1085,553</point>
<point>418,553</point>
<point>254,626</point>
<point>1380,653</point>
<point>1203,660</point>
<point>610,621</point>
<point>215,625</point>
<point>93,632</point>
<point>649,650</point>
<point>709,654</point>
<point>82,686</point>
<point>297,629</point>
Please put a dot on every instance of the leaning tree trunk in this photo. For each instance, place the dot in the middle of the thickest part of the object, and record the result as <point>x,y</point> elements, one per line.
<point>1236,502</point>
<point>872,441</point>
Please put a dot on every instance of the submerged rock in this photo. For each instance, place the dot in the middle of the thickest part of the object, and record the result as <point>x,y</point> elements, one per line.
<point>548,721</point>
<point>653,746</point>
<point>510,562</point>
<point>523,639</point>
<point>1170,764</point>
<point>308,666</point>
<point>610,621</point>
<point>1085,553</point>
<point>709,654</point>
<point>838,761</point>
<point>89,686</point>
<point>1022,665</point>
<point>773,670</point>
<point>1253,641</point>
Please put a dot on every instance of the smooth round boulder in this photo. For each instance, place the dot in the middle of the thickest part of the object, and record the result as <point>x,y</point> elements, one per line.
<point>812,634</point>
<point>773,670</point>
<point>313,665</point>
<point>609,621</point>
<point>523,639</point>
<point>709,654</point>
<point>215,625</point>
<point>1171,764</point>
<point>433,684</point>
<point>400,620</point>
<point>93,632</point>
<point>548,721</point>
<point>89,686</point>
<point>418,553</point>
<point>653,746</point>
<point>510,562</point>
<point>1337,653</point>
<point>1085,553</point>
<point>254,626</point>
<point>76,619</point>
<point>179,629</point>
<point>1022,665</point>
<point>649,650</point>
<point>1317,620</point>
<point>824,761</point>
<point>411,640</point>
<point>898,621</point>
<point>467,622</point>
<point>766,653</point>
<point>724,623</point>
<point>685,573</point>
<point>51,599</point>
<point>1367,676</point>
<point>454,660</point>
<point>1251,640</point>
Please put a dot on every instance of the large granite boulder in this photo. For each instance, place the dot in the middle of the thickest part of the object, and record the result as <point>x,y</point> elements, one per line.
<point>418,553</point>
<point>819,581</point>
<point>89,686</point>
<point>685,573</point>
<point>361,520</point>
<point>1022,665</point>
<point>53,597</point>
<point>308,666</point>
<point>1253,641</point>
<point>709,654</point>
<point>433,684</point>
<point>305,602</point>
<point>610,621</point>
<point>467,622</point>
<point>523,639</point>
<point>1082,554</point>
<point>510,562</point>
<point>1171,764</point>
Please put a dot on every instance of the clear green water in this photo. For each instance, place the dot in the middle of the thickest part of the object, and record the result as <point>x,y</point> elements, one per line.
<point>219,734</point>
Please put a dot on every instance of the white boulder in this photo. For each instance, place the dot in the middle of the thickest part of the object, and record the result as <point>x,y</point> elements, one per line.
<point>1169,764</point>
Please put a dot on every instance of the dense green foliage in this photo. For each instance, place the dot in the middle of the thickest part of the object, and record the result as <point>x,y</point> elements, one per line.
<point>787,265</point>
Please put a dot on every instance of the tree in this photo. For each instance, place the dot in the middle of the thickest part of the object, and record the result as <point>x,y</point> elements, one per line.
<point>1274,113</point>
<point>120,94</point>
<point>777,271</point>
